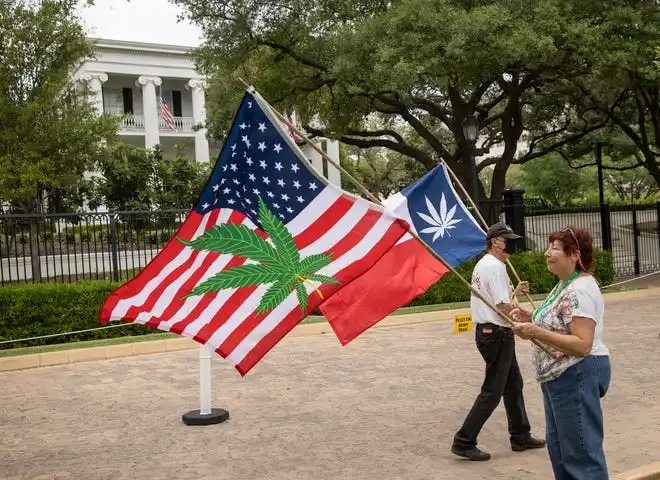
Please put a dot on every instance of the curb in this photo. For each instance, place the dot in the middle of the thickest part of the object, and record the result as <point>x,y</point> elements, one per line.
<point>646,472</point>
<point>65,357</point>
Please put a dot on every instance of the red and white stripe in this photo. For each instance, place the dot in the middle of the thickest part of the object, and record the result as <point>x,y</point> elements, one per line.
<point>350,229</point>
<point>166,114</point>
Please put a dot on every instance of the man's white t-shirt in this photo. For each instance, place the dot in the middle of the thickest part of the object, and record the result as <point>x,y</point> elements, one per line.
<point>490,279</point>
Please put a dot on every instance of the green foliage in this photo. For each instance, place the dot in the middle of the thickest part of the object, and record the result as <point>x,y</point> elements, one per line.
<point>50,133</point>
<point>279,265</point>
<point>135,178</point>
<point>556,182</point>
<point>43,309</point>
<point>380,171</point>
<point>530,266</point>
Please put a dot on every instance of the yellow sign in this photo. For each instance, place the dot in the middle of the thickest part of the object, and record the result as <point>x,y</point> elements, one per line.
<point>462,323</point>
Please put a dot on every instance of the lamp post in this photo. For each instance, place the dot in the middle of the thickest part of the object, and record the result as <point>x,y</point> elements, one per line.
<point>599,163</point>
<point>471,132</point>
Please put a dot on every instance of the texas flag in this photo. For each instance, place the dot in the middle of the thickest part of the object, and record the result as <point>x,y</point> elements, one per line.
<point>435,212</point>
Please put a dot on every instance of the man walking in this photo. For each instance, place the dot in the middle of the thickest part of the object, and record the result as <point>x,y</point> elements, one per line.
<point>496,344</point>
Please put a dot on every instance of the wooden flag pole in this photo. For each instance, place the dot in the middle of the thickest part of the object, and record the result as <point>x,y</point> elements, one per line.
<point>484,223</point>
<point>302,135</point>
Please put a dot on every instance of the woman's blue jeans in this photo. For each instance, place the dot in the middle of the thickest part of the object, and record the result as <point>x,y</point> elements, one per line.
<point>574,419</point>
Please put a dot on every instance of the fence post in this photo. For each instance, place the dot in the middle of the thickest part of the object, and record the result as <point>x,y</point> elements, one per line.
<point>514,214</point>
<point>635,238</point>
<point>114,253</point>
<point>606,226</point>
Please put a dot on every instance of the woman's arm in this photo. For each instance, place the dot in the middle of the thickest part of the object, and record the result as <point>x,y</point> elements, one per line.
<point>576,344</point>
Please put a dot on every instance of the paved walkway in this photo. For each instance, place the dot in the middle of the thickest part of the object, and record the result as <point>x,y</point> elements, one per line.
<point>384,407</point>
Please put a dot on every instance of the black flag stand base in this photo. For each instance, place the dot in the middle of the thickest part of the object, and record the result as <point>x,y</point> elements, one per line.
<point>205,415</point>
<point>194,417</point>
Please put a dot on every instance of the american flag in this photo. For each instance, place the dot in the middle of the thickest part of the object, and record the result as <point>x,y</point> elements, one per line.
<point>166,113</point>
<point>259,160</point>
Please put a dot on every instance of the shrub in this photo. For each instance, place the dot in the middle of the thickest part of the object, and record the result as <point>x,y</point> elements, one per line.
<point>43,309</point>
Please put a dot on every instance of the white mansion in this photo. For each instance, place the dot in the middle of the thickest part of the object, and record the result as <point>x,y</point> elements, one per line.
<point>130,79</point>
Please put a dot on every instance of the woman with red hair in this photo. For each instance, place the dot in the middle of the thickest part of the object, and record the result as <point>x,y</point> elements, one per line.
<point>576,375</point>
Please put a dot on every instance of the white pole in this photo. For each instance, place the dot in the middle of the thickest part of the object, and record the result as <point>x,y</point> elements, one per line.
<point>206,415</point>
<point>204,380</point>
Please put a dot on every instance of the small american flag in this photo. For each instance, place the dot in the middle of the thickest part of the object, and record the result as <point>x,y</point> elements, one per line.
<point>166,113</point>
<point>258,165</point>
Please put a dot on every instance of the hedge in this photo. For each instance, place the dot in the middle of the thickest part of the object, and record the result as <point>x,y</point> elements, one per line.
<point>43,309</point>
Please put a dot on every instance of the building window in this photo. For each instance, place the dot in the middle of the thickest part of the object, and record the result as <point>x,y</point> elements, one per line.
<point>127,98</point>
<point>176,103</point>
<point>113,101</point>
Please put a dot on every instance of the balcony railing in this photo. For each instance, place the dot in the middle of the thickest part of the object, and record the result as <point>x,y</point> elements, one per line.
<point>135,123</point>
<point>180,124</point>
<point>132,123</point>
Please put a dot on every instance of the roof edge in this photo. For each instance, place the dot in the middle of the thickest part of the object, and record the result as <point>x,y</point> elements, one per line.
<point>106,43</point>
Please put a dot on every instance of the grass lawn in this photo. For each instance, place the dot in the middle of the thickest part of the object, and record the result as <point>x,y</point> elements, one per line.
<point>160,336</point>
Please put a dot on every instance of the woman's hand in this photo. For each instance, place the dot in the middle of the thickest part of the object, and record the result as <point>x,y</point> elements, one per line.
<point>525,330</point>
<point>521,315</point>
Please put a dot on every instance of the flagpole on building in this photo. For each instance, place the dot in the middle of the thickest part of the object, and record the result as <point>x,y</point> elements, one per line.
<point>206,415</point>
<point>302,135</point>
<point>484,223</point>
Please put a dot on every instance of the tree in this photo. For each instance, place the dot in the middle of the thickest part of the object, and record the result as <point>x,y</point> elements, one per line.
<point>556,182</point>
<point>178,182</point>
<point>50,133</point>
<point>132,178</point>
<point>363,69</point>
<point>124,178</point>
<point>621,82</point>
<point>382,172</point>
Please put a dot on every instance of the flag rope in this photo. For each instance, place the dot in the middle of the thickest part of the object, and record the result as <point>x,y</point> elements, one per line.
<point>250,89</point>
<point>4,342</point>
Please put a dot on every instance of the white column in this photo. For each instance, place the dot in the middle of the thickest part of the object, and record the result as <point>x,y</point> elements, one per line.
<point>96,81</point>
<point>196,87</point>
<point>334,174</point>
<point>150,107</point>
<point>315,158</point>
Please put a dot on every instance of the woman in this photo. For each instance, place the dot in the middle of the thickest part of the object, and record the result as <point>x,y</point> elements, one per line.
<point>577,375</point>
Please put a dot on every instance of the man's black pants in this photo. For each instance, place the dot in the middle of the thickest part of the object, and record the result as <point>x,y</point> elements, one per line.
<point>503,379</point>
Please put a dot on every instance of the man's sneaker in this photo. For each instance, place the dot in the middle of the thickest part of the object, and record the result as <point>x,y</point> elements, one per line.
<point>472,453</point>
<point>529,443</point>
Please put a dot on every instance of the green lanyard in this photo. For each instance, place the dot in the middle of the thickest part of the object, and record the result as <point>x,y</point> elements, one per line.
<point>554,294</point>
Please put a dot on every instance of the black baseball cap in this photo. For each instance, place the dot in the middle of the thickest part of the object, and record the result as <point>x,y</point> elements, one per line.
<point>501,230</point>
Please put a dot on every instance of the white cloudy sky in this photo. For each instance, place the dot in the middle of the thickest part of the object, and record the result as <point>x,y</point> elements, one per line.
<point>153,21</point>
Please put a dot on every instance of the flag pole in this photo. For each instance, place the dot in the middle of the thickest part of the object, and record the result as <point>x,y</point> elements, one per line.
<point>302,135</point>
<point>206,415</point>
<point>483,221</point>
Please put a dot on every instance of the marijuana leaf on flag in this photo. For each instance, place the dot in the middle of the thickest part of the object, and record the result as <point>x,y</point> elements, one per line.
<point>440,223</point>
<point>280,265</point>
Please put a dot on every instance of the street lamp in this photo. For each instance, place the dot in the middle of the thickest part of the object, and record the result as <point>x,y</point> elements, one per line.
<point>471,132</point>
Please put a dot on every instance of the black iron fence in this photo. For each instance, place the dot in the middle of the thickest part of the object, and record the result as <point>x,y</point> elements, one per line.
<point>66,248</point>
<point>630,232</point>
<point>86,246</point>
